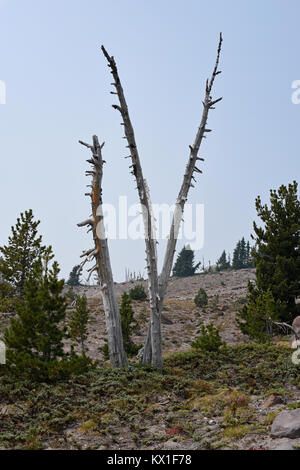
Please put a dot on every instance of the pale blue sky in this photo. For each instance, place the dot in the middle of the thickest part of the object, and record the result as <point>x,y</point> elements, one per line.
<point>58,92</point>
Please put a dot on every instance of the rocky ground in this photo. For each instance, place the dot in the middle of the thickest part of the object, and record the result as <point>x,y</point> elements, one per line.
<point>183,319</point>
<point>245,397</point>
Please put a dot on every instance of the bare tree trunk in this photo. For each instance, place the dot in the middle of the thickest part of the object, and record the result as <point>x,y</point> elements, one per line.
<point>191,168</point>
<point>158,286</point>
<point>144,196</point>
<point>100,253</point>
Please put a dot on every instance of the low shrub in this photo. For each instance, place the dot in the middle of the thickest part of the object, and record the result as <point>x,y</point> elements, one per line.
<point>138,293</point>
<point>201,299</point>
<point>209,339</point>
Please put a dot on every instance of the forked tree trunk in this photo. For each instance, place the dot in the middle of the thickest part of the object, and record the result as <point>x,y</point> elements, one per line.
<point>100,254</point>
<point>158,285</point>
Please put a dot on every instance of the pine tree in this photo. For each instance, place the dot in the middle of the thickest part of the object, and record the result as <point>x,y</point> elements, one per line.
<point>184,265</point>
<point>35,337</point>
<point>236,260</point>
<point>253,319</point>
<point>129,324</point>
<point>78,322</point>
<point>74,277</point>
<point>277,251</point>
<point>242,255</point>
<point>249,258</point>
<point>222,262</point>
<point>20,255</point>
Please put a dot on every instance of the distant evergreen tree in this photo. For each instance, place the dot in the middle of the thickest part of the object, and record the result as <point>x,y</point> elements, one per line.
<point>138,293</point>
<point>222,262</point>
<point>74,277</point>
<point>249,258</point>
<point>184,265</point>
<point>21,254</point>
<point>201,299</point>
<point>242,255</point>
<point>236,259</point>
<point>78,322</point>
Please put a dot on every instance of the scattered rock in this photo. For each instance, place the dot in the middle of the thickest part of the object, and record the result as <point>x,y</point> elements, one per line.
<point>272,401</point>
<point>287,424</point>
<point>156,430</point>
<point>287,445</point>
<point>171,445</point>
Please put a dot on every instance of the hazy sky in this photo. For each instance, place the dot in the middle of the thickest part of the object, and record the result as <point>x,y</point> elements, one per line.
<point>58,88</point>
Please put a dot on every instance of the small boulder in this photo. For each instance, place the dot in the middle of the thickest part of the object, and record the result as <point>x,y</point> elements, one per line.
<point>287,424</point>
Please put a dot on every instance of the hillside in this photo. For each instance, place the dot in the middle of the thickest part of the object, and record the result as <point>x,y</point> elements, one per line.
<point>203,400</point>
<point>224,290</point>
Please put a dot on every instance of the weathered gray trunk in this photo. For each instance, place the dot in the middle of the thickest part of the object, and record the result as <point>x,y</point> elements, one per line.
<point>158,285</point>
<point>144,196</point>
<point>191,168</point>
<point>100,253</point>
<point>295,339</point>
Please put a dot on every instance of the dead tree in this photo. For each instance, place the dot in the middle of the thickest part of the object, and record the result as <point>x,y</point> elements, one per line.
<point>100,255</point>
<point>144,196</point>
<point>158,285</point>
<point>285,327</point>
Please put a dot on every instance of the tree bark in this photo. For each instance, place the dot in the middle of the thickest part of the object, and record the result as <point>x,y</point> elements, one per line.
<point>191,168</point>
<point>100,253</point>
<point>144,196</point>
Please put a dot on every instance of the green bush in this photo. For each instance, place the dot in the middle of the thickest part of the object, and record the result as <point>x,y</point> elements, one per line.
<point>201,299</point>
<point>105,352</point>
<point>254,316</point>
<point>209,340</point>
<point>129,326</point>
<point>78,323</point>
<point>138,293</point>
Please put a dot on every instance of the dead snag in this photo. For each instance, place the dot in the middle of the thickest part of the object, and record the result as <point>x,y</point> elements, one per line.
<point>158,285</point>
<point>100,255</point>
<point>144,196</point>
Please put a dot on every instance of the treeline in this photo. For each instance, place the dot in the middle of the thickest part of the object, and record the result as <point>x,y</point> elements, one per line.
<point>242,259</point>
